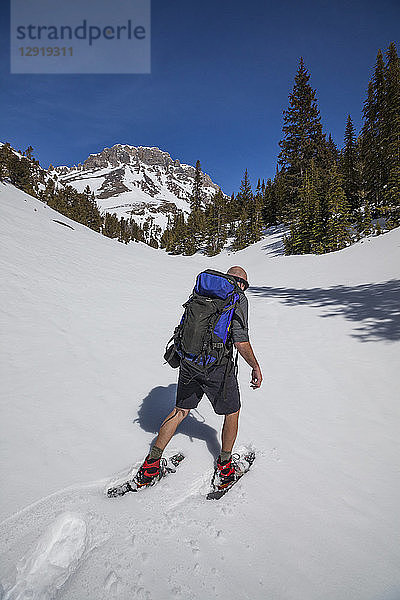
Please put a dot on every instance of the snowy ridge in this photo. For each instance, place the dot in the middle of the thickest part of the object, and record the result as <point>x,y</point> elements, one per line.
<point>84,322</point>
<point>136,181</point>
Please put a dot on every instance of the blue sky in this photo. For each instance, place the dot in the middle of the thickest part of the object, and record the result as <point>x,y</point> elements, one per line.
<point>221,74</point>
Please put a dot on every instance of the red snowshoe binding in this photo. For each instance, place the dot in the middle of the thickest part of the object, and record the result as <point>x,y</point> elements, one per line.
<point>226,473</point>
<point>149,472</point>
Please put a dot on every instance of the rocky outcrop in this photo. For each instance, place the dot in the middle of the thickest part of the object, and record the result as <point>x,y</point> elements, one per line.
<point>136,181</point>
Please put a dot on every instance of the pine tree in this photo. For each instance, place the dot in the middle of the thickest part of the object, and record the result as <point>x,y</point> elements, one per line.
<point>283,209</point>
<point>124,231</point>
<point>391,136</point>
<point>196,199</point>
<point>136,232</point>
<point>174,238</point>
<point>255,216</point>
<point>194,227</point>
<point>229,210</point>
<point>303,138</point>
<point>380,142</point>
<point>307,227</point>
<point>317,241</point>
<point>111,226</point>
<point>6,155</point>
<point>391,208</point>
<point>372,147</point>
<point>48,192</point>
<point>166,239</point>
<point>366,143</point>
<point>147,227</point>
<point>87,192</point>
<point>274,193</point>
<point>93,216</point>
<point>269,209</point>
<point>367,224</point>
<point>243,209</point>
<point>20,173</point>
<point>339,215</point>
<point>245,195</point>
<point>332,151</point>
<point>28,153</point>
<point>381,175</point>
<point>241,238</point>
<point>194,232</point>
<point>349,167</point>
<point>215,224</point>
<point>327,155</point>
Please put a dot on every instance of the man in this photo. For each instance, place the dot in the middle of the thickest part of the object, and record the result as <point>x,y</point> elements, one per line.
<point>221,387</point>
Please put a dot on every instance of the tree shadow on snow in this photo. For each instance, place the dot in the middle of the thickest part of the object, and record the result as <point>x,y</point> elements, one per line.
<point>274,241</point>
<point>375,305</point>
<point>161,401</point>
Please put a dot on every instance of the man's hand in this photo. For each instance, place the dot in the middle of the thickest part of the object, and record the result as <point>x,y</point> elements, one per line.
<point>256,378</point>
<point>245,350</point>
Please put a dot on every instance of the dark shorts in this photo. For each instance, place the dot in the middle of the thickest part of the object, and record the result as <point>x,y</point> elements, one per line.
<point>192,385</point>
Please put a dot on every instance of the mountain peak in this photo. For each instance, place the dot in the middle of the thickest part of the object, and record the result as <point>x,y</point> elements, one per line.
<point>139,181</point>
<point>124,153</point>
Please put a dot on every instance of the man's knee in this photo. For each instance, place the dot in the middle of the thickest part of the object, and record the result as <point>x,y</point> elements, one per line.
<point>182,413</point>
<point>233,416</point>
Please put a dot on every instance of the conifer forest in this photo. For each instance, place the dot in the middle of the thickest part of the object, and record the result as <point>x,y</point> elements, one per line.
<point>324,196</point>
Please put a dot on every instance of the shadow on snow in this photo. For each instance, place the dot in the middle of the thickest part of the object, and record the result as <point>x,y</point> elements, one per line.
<point>161,401</point>
<point>376,306</point>
<point>274,241</point>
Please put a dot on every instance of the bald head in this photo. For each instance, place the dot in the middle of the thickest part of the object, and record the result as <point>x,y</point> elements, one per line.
<point>238,271</point>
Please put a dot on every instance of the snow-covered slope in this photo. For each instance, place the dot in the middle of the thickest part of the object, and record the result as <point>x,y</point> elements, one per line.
<point>140,182</point>
<point>84,320</point>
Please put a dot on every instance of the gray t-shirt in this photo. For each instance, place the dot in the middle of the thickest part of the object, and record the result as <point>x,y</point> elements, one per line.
<point>240,320</point>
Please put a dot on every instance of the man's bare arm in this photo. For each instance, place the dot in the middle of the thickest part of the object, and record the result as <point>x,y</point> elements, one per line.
<point>246,351</point>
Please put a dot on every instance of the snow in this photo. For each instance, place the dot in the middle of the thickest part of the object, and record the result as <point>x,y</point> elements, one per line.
<point>122,203</point>
<point>45,570</point>
<point>84,322</point>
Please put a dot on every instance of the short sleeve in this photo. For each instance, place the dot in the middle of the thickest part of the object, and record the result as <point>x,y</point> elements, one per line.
<point>240,320</point>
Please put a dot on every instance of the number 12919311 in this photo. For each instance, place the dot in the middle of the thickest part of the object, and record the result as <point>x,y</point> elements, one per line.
<point>46,51</point>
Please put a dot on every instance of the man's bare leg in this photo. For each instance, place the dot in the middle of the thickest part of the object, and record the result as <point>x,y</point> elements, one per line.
<point>229,431</point>
<point>150,469</point>
<point>169,426</point>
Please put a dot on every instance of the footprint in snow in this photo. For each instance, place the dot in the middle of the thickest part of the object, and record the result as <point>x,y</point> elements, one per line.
<point>112,583</point>
<point>44,570</point>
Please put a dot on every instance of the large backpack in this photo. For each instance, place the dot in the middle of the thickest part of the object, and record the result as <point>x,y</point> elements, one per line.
<point>202,336</point>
